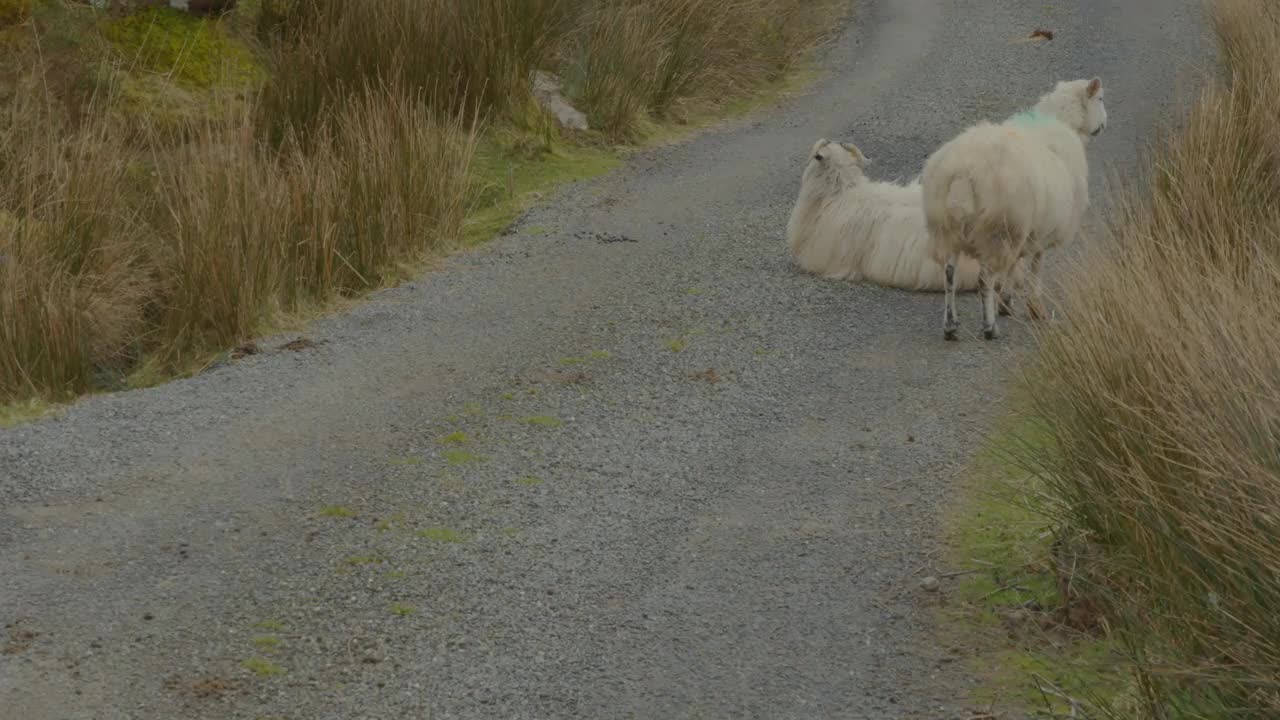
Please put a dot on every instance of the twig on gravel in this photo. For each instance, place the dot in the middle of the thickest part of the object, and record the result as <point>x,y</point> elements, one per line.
<point>1010,586</point>
<point>958,573</point>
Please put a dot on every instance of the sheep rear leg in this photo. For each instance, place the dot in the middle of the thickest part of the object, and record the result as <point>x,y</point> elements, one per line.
<point>1004,304</point>
<point>1035,295</point>
<point>950,325</point>
<point>989,284</point>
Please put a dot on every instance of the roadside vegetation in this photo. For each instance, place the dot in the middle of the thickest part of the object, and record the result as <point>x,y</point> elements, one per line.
<point>172,185</point>
<point>1147,467</point>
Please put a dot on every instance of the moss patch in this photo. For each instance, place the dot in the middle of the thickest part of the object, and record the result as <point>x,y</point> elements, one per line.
<point>267,643</point>
<point>511,172</point>
<point>16,414</point>
<point>402,610</point>
<point>1008,592</point>
<point>262,668</point>
<point>455,438</point>
<point>192,51</point>
<point>441,534</point>
<point>543,421</point>
<point>408,460</point>
<point>337,511</point>
<point>461,457</point>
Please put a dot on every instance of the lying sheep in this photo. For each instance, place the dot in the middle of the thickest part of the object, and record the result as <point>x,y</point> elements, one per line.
<point>1001,193</point>
<point>847,227</point>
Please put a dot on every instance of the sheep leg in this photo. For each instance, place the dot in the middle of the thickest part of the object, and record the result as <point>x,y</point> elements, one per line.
<point>1011,280</point>
<point>950,326</point>
<point>1004,295</point>
<point>1035,299</point>
<point>989,330</point>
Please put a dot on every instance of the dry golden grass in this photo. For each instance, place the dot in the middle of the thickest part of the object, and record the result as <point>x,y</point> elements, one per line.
<point>1160,392</point>
<point>72,284</point>
<point>623,60</point>
<point>630,60</point>
<point>245,230</point>
<point>138,232</point>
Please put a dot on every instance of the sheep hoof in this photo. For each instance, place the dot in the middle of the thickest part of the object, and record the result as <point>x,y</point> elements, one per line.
<point>990,333</point>
<point>951,333</point>
<point>1004,308</point>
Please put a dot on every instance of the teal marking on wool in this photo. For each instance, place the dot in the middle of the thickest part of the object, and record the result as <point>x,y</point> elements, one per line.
<point>1032,117</point>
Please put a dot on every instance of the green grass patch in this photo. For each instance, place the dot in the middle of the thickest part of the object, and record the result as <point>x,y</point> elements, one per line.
<point>363,560</point>
<point>192,51</point>
<point>402,610</point>
<point>529,480</point>
<point>676,344</point>
<point>1008,598</point>
<point>267,643</point>
<point>262,668</point>
<point>455,438</point>
<point>442,534</point>
<point>15,414</point>
<point>390,522</point>
<point>270,625</point>
<point>337,511</point>
<point>406,461</point>
<point>457,456</point>
<point>510,173</point>
<point>594,356</point>
<point>543,421</point>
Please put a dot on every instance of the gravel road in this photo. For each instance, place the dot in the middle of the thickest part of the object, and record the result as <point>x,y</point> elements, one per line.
<point>625,462</point>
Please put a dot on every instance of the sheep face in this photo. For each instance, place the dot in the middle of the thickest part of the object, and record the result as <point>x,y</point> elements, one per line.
<point>1078,104</point>
<point>841,162</point>
<point>1095,112</point>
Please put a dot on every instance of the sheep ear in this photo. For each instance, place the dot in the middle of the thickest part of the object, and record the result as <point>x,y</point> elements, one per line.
<point>1095,86</point>
<point>818,146</point>
<point>856,153</point>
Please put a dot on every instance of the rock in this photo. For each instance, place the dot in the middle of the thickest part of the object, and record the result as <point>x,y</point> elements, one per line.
<point>929,584</point>
<point>195,7</point>
<point>546,88</point>
<point>203,7</point>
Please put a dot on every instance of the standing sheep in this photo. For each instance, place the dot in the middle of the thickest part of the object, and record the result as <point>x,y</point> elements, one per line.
<point>1001,193</point>
<point>847,227</point>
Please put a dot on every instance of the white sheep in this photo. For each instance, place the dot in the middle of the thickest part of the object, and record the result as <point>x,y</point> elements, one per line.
<point>847,227</point>
<point>1002,193</point>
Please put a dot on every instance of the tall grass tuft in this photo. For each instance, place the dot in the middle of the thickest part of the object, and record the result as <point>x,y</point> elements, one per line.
<point>472,56</point>
<point>72,279</point>
<point>1161,393</point>
<point>631,59</point>
<point>247,230</point>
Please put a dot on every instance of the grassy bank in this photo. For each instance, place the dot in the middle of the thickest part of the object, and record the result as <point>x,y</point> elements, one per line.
<point>170,185</point>
<point>1153,446</point>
